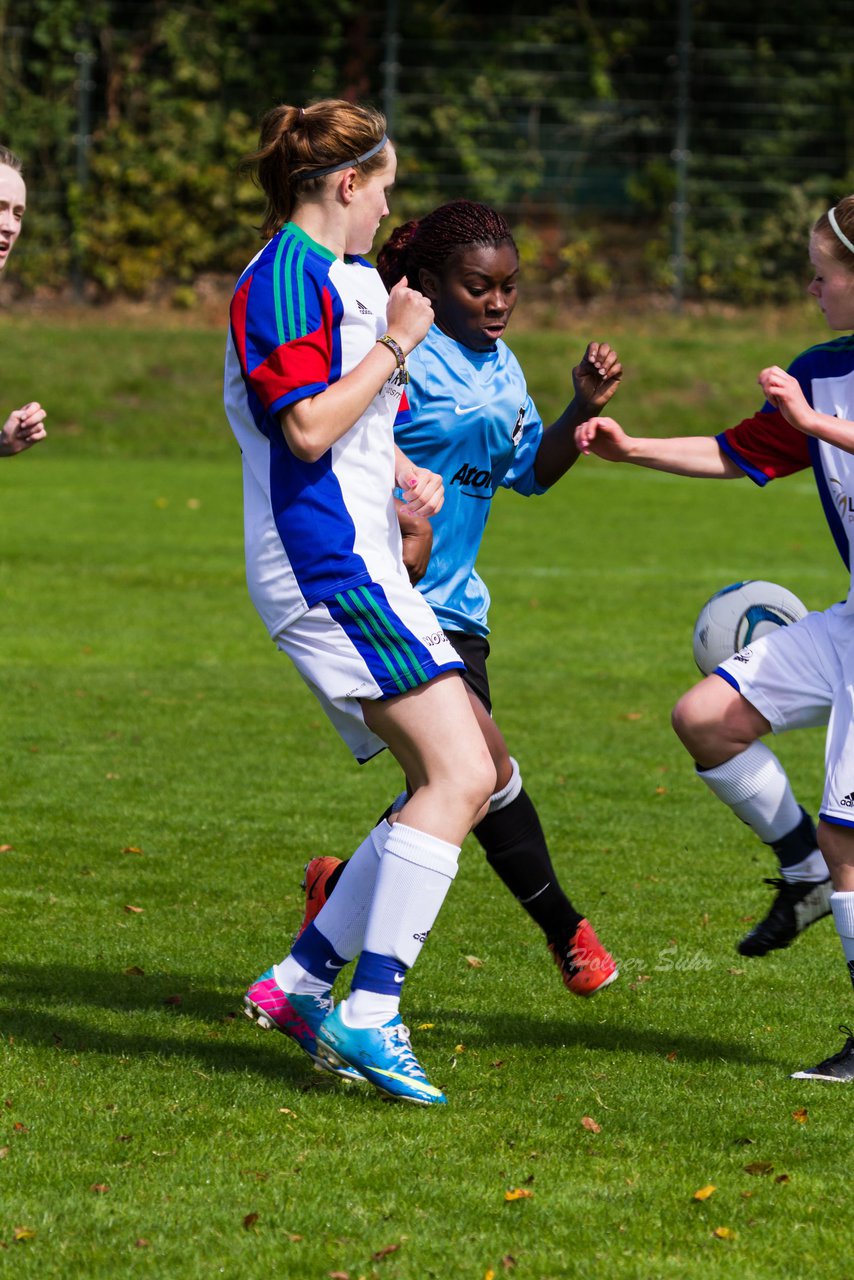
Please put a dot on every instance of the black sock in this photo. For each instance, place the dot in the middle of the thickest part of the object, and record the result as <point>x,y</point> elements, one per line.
<point>798,844</point>
<point>334,876</point>
<point>516,850</point>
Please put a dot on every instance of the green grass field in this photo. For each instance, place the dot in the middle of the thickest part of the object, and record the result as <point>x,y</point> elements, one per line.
<point>166,775</point>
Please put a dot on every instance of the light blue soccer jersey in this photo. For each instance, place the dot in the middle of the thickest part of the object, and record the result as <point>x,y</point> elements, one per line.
<point>473,422</point>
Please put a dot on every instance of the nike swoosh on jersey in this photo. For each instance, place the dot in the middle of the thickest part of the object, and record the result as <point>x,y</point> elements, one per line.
<point>458,409</point>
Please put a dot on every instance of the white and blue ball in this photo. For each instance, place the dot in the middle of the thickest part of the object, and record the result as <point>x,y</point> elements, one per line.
<point>739,614</point>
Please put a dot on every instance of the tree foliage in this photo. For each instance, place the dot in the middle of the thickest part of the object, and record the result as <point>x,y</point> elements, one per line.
<point>132,117</point>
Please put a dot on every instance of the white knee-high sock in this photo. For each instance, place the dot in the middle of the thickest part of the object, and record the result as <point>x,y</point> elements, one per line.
<point>842,906</point>
<point>416,870</point>
<point>343,917</point>
<point>755,786</point>
<point>341,922</point>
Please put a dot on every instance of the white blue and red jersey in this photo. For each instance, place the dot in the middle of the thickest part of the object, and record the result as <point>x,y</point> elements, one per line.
<point>473,421</point>
<point>767,446</point>
<point>301,318</point>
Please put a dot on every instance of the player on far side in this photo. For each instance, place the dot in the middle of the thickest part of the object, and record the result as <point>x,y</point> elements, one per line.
<point>802,674</point>
<point>473,420</point>
<point>24,427</point>
<point>315,377</point>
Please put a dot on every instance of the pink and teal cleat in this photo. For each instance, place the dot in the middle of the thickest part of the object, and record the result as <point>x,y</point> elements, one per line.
<point>296,1016</point>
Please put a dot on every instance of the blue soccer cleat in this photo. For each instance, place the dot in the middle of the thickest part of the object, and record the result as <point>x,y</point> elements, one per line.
<point>383,1055</point>
<point>295,1016</point>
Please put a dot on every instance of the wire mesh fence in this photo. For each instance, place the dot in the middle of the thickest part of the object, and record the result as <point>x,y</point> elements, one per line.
<point>704,132</point>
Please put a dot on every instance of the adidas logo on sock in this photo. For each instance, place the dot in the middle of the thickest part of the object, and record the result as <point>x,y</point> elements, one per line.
<point>365,311</point>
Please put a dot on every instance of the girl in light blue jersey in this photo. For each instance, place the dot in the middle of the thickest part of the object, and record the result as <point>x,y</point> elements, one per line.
<point>473,421</point>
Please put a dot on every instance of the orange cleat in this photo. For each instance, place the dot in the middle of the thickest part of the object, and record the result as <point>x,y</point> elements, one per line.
<point>317,873</point>
<point>584,964</point>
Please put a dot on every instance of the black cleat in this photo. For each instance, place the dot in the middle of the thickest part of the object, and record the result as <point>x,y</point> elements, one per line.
<point>839,1068</point>
<point>797,904</point>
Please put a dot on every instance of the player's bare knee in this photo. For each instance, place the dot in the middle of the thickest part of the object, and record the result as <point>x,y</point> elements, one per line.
<point>691,726</point>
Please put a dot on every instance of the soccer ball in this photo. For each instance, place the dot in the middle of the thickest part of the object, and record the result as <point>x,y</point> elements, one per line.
<point>738,614</point>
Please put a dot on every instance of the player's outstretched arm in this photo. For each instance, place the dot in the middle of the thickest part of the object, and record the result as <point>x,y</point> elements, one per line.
<point>784,392</point>
<point>698,456</point>
<point>594,379</point>
<point>22,429</point>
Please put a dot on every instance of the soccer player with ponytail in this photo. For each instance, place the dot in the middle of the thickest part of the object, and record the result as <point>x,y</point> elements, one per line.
<point>802,674</point>
<point>315,379</point>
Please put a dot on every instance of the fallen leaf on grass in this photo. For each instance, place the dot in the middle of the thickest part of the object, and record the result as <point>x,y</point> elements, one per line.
<point>724,1233</point>
<point>131,848</point>
<point>135,972</point>
<point>4,1151</point>
<point>249,1221</point>
<point>459,1048</point>
<point>286,1111</point>
<point>800,1115</point>
<point>100,1188</point>
<point>508,1262</point>
<point>499,1062</point>
<point>705,1192</point>
<point>518,1193</point>
<point>176,1000</point>
<point>338,1275</point>
<point>759,1168</point>
<point>473,962</point>
<point>385,1251</point>
<point>588,1123</point>
<point>124,1137</point>
<point>489,1274</point>
<point>23,1233</point>
<point>782,1177</point>
<point>671,1057</point>
<point>141,1243</point>
<point>425,1026</point>
<point>7,848</point>
<point>133,911</point>
<point>293,1237</point>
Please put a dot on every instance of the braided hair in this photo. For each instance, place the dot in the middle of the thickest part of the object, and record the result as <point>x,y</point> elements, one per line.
<point>431,242</point>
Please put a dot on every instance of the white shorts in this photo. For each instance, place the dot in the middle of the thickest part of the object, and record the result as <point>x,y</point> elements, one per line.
<point>375,642</point>
<point>803,675</point>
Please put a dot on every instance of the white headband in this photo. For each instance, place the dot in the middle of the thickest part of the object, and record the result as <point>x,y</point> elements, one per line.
<point>831,217</point>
